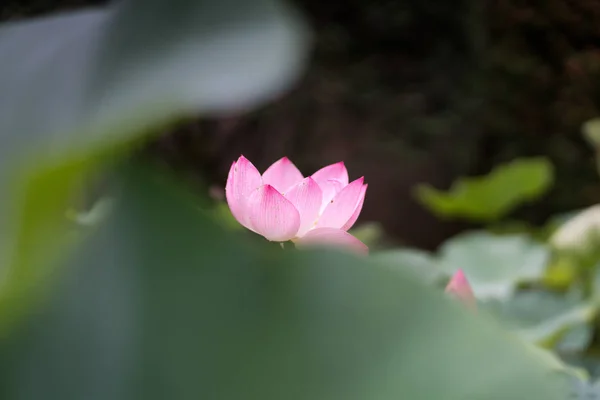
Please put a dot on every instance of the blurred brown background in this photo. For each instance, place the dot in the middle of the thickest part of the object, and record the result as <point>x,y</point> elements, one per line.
<point>416,91</point>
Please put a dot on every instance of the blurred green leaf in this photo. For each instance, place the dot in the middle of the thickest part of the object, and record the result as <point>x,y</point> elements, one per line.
<point>544,317</point>
<point>576,339</point>
<point>490,197</point>
<point>561,273</point>
<point>423,264</point>
<point>82,86</point>
<point>136,65</point>
<point>494,264</point>
<point>163,304</point>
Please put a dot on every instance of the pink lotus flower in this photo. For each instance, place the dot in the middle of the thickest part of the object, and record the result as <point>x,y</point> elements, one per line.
<point>459,286</point>
<point>281,204</point>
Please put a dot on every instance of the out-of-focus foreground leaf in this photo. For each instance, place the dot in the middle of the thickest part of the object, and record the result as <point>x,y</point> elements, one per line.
<point>83,84</point>
<point>76,81</point>
<point>490,197</point>
<point>164,304</point>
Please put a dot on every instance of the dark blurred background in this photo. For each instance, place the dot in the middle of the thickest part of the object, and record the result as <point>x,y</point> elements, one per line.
<point>416,91</point>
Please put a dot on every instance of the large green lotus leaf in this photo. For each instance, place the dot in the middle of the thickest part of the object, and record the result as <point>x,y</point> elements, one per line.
<point>492,196</point>
<point>494,264</point>
<point>162,303</point>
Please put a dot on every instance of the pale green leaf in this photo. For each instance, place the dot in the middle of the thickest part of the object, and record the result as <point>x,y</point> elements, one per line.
<point>493,196</point>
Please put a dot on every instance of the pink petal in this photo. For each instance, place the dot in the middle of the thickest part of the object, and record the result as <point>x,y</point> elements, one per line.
<point>306,197</point>
<point>329,188</point>
<point>242,180</point>
<point>337,172</point>
<point>459,287</point>
<point>282,175</point>
<point>341,208</point>
<point>332,237</point>
<point>354,217</point>
<point>231,200</point>
<point>272,215</point>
